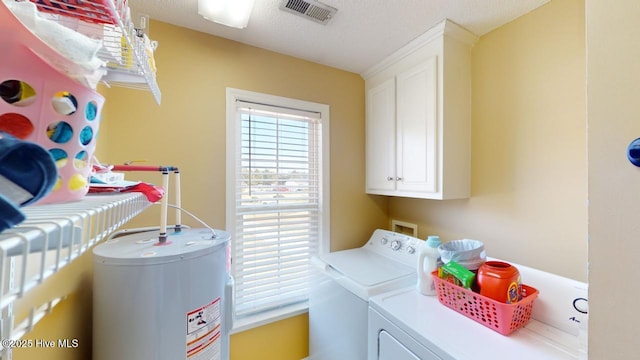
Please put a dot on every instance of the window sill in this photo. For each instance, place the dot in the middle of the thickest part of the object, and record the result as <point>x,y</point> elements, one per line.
<point>269,317</point>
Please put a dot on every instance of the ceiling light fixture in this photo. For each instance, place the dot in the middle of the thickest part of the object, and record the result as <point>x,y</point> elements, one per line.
<point>234,13</point>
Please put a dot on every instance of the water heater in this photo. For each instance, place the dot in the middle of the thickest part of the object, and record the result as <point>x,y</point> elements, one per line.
<point>167,300</point>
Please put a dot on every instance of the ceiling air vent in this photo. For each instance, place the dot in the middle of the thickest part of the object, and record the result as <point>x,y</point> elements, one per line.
<point>309,9</point>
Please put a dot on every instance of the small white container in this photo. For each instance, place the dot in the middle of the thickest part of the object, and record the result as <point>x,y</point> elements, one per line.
<point>428,259</point>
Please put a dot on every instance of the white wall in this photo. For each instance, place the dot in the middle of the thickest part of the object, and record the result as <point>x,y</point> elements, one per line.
<point>613,113</point>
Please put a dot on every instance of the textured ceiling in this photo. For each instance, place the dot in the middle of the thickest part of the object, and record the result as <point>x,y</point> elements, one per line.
<point>362,33</point>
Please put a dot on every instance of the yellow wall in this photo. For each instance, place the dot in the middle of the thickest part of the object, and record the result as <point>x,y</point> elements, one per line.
<point>286,339</point>
<point>528,169</point>
<point>70,319</point>
<point>188,129</point>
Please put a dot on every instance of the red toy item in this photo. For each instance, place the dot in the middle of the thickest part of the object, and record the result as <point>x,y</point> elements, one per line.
<point>16,125</point>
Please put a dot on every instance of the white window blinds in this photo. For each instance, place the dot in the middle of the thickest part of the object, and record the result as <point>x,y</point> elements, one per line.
<point>278,187</point>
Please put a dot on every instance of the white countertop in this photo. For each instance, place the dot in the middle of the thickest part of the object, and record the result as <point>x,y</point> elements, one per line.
<point>454,336</point>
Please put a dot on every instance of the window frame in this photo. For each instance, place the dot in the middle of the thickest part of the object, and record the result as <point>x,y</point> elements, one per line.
<point>233,140</point>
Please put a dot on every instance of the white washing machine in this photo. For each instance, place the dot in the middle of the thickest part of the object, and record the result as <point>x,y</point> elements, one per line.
<point>339,299</point>
<point>405,325</point>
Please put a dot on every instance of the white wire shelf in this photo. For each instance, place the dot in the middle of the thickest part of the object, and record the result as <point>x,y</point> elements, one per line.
<point>51,237</point>
<point>127,51</point>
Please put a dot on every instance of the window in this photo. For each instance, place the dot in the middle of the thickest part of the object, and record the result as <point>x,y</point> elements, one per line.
<point>277,201</point>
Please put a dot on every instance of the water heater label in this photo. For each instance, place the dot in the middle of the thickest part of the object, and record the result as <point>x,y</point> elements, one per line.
<point>204,326</point>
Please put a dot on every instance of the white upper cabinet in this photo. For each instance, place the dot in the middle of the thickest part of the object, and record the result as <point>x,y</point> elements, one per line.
<point>419,117</point>
<point>416,128</point>
<point>381,145</point>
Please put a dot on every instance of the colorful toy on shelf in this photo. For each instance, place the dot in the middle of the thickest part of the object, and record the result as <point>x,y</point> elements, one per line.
<point>16,125</point>
<point>64,103</point>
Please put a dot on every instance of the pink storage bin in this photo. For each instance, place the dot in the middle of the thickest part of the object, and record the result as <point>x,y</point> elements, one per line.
<point>70,136</point>
<point>501,317</point>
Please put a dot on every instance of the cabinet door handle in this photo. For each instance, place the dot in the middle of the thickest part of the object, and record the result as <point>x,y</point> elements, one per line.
<point>398,179</point>
<point>389,178</point>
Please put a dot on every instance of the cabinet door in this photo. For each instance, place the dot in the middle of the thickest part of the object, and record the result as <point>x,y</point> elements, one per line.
<point>417,126</point>
<point>380,138</point>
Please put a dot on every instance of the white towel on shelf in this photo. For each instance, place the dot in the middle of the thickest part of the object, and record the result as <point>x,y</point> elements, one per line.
<point>76,47</point>
<point>26,11</point>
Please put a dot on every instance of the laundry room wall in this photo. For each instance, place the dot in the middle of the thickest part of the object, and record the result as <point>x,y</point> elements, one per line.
<point>528,165</point>
<point>529,174</point>
<point>188,130</point>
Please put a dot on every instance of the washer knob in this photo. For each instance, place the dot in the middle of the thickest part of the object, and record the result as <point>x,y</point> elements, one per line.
<point>384,241</point>
<point>582,305</point>
<point>395,245</point>
<point>411,249</point>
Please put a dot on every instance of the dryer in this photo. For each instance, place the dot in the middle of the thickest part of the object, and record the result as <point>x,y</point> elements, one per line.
<point>405,325</point>
<point>344,283</point>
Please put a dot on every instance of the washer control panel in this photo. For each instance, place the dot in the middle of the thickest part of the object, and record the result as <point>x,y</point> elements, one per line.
<point>400,247</point>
